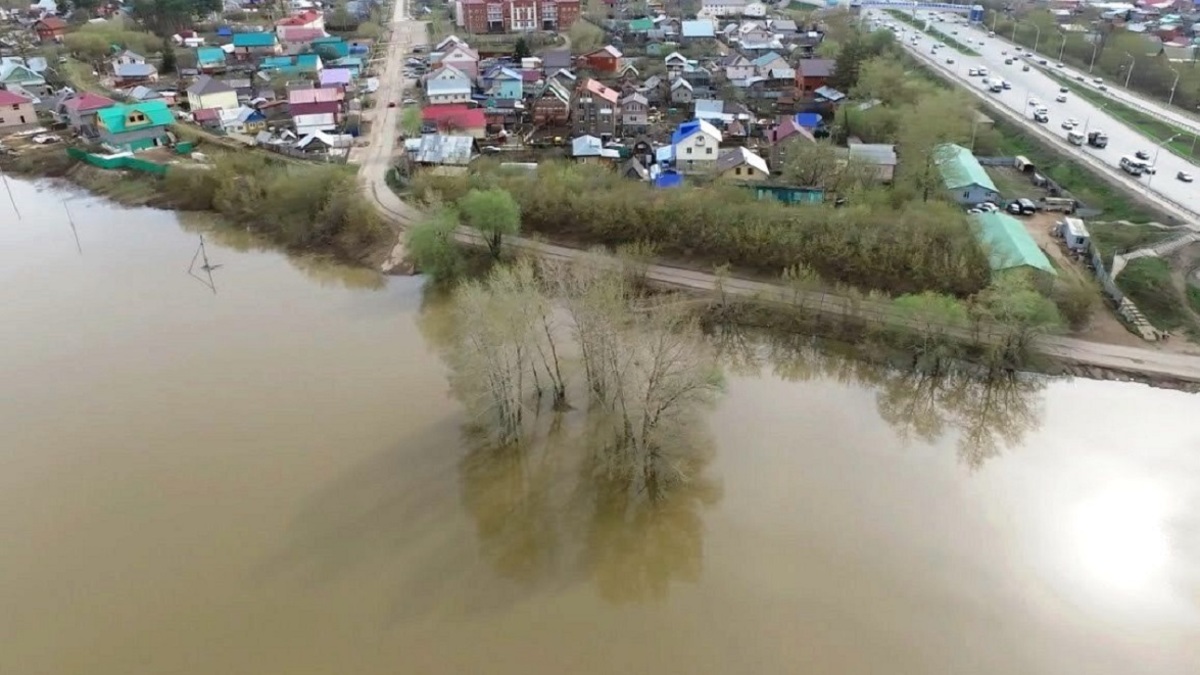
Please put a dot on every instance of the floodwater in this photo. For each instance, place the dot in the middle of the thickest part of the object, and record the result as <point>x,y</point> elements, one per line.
<point>272,478</point>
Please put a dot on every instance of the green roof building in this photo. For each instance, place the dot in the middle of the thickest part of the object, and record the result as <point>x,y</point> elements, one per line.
<point>1009,245</point>
<point>134,126</point>
<point>254,40</point>
<point>964,177</point>
<point>641,25</point>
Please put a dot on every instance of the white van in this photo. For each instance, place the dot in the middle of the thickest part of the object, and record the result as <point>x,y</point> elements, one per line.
<point>1075,138</point>
<point>1131,166</point>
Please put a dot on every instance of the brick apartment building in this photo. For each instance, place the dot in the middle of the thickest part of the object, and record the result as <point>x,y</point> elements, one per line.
<point>514,16</point>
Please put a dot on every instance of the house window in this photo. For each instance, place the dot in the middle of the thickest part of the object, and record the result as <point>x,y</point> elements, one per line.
<point>689,151</point>
<point>737,171</point>
<point>708,151</point>
<point>967,194</point>
<point>494,13</point>
<point>16,106</point>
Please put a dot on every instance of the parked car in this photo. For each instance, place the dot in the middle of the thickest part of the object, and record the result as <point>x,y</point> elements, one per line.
<point>1022,207</point>
<point>1184,176</point>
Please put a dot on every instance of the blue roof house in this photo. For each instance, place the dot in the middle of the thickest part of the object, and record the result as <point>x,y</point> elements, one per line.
<point>507,84</point>
<point>352,63</point>
<point>332,44</point>
<point>696,146</point>
<point>697,29</point>
<point>210,58</point>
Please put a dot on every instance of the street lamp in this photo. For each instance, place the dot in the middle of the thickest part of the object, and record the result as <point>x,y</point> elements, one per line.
<point>1095,47</point>
<point>1155,162</point>
<point>1129,73</point>
<point>1173,85</point>
<point>1036,40</point>
<point>1087,120</point>
<point>1062,48</point>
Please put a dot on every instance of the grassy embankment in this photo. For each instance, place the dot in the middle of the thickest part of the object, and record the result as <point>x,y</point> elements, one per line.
<point>1183,143</point>
<point>1148,283</point>
<point>933,32</point>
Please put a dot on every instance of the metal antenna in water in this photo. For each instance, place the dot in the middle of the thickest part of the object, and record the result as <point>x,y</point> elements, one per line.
<point>206,267</point>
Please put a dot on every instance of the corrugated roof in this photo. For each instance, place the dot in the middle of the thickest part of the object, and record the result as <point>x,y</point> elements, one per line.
<point>739,156</point>
<point>206,84</point>
<point>698,28</point>
<point>596,87</point>
<point>444,149</point>
<point>960,169</point>
<point>115,116</point>
<point>879,154</point>
<point>253,39</point>
<point>1009,244</point>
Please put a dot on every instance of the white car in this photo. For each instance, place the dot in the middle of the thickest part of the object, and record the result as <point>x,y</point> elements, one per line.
<point>1061,98</point>
<point>971,72</point>
<point>1068,124</point>
<point>1034,103</point>
<point>950,61</point>
<point>1074,122</point>
<point>1184,176</point>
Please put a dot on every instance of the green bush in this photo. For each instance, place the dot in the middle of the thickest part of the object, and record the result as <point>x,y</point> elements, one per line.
<point>869,244</point>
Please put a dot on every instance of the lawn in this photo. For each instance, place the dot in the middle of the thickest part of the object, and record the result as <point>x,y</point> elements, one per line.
<point>1147,282</point>
<point>1113,238</point>
<point>1154,129</point>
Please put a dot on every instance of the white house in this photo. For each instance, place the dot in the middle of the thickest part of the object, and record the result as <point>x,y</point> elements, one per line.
<point>712,9</point>
<point>756,9</point>
<point>308,124</point>
<point>697,146</point>
<point>448,85</point>
<point>461,57</point>
<point>738,68</point>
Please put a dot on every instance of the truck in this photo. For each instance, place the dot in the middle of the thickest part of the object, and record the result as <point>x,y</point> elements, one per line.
<point>1097,139</point>
<point>1075,138</point>
<point>996,85</point>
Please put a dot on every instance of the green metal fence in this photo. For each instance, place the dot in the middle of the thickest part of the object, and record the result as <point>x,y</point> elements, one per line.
<point>118,162</point>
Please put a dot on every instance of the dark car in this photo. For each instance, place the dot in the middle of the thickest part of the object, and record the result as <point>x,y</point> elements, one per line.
<point>1142,154</point>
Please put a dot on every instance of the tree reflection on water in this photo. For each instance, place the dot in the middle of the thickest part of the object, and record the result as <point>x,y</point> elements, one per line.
<point>548,510</point>
<point>990,412</point>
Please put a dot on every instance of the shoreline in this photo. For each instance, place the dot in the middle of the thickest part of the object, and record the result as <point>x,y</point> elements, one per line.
<point>1062,360</point>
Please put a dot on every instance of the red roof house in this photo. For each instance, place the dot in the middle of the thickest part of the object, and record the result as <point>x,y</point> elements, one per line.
<point>50,29</point>
<point>605,60</point>
<point>457,118</point>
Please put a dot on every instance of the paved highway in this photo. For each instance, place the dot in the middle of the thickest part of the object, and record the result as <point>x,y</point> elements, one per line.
<point>1114,90</point>
<point>1035,85</point>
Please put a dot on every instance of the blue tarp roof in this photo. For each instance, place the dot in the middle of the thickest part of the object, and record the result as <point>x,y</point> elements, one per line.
<point>809,120</point>
<point>668,179</point>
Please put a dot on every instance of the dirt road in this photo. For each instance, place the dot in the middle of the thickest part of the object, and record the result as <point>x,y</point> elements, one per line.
<point>375,159</point>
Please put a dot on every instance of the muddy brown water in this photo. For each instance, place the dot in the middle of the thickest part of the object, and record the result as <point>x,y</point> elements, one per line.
<point>274,479</point>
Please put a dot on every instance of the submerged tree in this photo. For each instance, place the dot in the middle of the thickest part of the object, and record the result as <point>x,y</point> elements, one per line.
<point>494,213</point>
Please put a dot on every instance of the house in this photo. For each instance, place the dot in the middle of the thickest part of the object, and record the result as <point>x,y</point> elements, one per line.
<point>964,177</point>
<point>307,123</point>
<point>248,46</point>
<point>652,89</point>
<point>331,45</point>
<point>783,136</point>
<point>16,111</point>
<point>208,118</point>
<point>300,64</point>
<point>595,110</point>
<point>134,126</point>
<point>675,63</point>
<point>353,64</point>
<point>738,67</point>
<point>50,29</point>
<point>484,16</point>
<point>1009,245</point>
<point>449,154</point>
<point>604,60</point>
<point>462,57</point>
<point>144,93</point>
<point>300,40</point>
<point>881,157</point>
<point>210,59</point>
<point>209,92</point>
<point>448,85</point>
<point>79,111</point>
<point>591,149</point>
<point>243,120</point>
<point>764,64</point>
<point>812,74</point>
<point>721,8</point>
<point>553,107</point>
<point>456,119</point>
<point>307,95</point>
<point>697,29</point>
<point>307,20</point>
<point>128,74</point>
<point>695,146</point>
<point>14,72</point>
<point>740,164</point>
<point>126,57</point>
<point>335,77</point>
<point>635,110</point>
<point>507,84</point>
<point>681,92</point>
<point>556,60</point>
